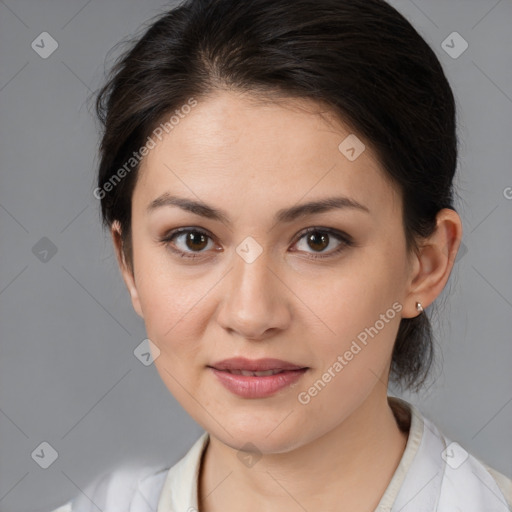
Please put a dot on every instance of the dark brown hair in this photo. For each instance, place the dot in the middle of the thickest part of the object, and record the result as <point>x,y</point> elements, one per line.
<point>361,58</point>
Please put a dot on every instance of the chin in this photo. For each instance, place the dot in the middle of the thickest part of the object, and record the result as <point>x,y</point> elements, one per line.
<point>258,440</point>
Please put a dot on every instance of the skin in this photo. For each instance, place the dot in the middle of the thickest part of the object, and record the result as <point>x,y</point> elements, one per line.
<point>251,159</point>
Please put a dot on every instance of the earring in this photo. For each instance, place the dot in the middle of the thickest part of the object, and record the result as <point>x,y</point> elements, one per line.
<point>419,307</point>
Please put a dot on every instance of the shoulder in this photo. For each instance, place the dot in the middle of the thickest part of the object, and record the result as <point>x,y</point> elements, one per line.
<point>121,489</point>
<point>477,482</point>
<point>442,475</point>
<point>503,482</point>
<point>143,489</point>
<point>465,479</point>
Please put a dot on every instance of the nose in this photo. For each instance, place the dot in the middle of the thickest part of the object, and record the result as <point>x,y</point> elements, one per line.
<point>256,303</point>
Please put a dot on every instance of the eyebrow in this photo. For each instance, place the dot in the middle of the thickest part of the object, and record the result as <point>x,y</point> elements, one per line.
<point>284,215</point>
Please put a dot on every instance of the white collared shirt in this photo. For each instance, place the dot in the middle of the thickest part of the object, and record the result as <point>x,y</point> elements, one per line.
<point>434,475</point>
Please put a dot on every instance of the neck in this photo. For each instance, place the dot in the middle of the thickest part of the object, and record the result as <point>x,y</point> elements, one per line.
<point>349,467</point>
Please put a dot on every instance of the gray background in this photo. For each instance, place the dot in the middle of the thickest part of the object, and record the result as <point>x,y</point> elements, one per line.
<point>68,375</point>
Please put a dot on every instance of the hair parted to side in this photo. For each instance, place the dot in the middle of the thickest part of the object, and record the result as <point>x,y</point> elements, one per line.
<point>360,58</point>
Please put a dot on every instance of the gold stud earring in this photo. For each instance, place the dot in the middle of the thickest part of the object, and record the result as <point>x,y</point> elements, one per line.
<point>419,307</point>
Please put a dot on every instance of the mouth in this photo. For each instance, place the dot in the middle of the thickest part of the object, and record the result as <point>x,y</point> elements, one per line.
<point>258,384</point>
<point>255,367</point>
<point>248,373</point>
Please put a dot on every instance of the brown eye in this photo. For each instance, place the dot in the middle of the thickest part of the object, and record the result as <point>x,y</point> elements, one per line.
<point>188,243</point>
<point>318,239</point>
<point>196,240</point>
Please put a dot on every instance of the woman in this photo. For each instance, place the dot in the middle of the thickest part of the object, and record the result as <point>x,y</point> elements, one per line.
<point>307,149</point>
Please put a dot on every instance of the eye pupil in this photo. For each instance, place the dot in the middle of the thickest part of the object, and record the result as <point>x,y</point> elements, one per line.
<point>196,237</point>
<point>315,238</point>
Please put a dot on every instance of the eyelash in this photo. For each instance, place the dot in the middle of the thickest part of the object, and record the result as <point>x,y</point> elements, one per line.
<point>345,240</point>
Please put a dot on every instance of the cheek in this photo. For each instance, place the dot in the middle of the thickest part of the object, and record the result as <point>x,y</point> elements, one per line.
<point>168,309</point>
<point>172,320</point>
<point>352,362</point>
<point>360,314</point>
<point>166,291</point>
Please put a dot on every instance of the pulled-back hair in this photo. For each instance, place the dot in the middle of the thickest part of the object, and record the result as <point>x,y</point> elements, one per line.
<point>361,58</point>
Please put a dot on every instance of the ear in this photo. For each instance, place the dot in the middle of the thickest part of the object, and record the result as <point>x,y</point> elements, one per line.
<point>128,275</point>
<point>432,266</point>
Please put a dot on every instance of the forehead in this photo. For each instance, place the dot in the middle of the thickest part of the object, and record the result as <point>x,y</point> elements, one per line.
<point>231,143</point>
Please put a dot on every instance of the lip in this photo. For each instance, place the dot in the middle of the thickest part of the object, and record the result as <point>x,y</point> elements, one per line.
<point>250,386</point>
<point>255,365</point>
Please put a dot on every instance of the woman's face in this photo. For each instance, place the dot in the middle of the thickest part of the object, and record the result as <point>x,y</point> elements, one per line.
<point>251,286</point>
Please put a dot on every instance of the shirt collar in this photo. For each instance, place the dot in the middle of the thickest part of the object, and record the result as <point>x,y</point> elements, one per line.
<point>410,419</point>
